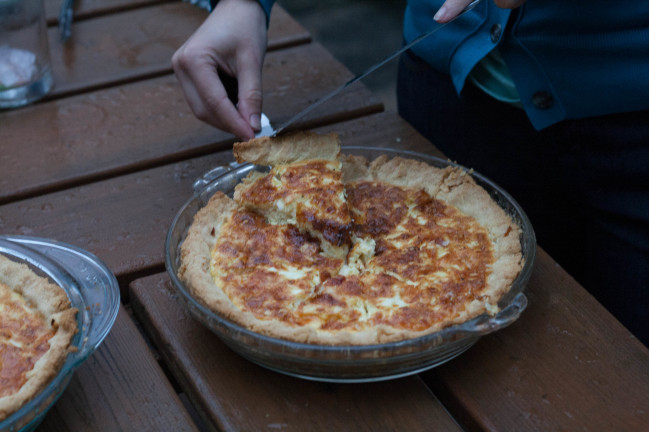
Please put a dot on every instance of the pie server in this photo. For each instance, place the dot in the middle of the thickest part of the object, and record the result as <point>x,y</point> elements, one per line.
<point>371,69</point>
<point>230,83</point>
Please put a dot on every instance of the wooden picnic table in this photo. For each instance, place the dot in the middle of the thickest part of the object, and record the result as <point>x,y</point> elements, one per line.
<point>107,160</point>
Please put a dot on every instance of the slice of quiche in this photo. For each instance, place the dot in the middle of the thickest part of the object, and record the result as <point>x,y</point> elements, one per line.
<point>303,188</point>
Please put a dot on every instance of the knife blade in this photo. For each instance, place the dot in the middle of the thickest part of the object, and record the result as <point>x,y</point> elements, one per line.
<point>371,69</point>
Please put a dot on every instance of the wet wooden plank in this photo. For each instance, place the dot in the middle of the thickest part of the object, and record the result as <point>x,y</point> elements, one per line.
<point>235,394</point>
<point>566,364</point>
<point>137,44</point>
<point>109,132</point>
<point>284,31</point>
<point>89,8</point>
<point>120,387</point>
<point>124,220</point>
<point>120,47</point>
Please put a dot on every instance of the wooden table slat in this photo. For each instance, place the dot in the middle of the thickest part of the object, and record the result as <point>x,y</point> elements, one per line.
<point>89,8</point>
<point>566,364</point>
<point>119,388</point>
<point>260,399</point>
<point>147,123</point>
<point>137,44</point>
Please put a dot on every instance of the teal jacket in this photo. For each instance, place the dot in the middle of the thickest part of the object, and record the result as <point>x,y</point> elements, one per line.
<point>568,58</point>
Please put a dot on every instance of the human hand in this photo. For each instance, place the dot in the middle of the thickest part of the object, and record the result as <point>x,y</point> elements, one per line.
<point>231,40</point>
<point>451,8</point>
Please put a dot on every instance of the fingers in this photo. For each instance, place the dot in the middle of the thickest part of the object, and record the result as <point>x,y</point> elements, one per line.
<point>232,40</point>
<point>205,94</point>
<point>250,93</point>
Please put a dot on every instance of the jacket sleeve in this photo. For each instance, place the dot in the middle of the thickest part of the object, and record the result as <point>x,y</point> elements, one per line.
<point>267,5</point>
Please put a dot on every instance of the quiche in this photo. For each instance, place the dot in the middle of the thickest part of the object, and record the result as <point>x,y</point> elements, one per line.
<point>334,249</point>
<point>37,324</point>
<point>304,187</point>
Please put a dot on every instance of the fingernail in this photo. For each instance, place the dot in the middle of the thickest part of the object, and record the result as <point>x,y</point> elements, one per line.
<point>255,121</point>
<point>441,13</point>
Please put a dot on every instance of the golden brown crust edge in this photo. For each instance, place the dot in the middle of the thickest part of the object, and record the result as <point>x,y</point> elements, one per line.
<point>456,187</point>
<point>51,300</point>
<point>289,148</point>
<point>196,253</point>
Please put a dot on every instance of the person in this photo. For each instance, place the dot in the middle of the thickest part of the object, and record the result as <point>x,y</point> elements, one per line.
<point>549,99</point>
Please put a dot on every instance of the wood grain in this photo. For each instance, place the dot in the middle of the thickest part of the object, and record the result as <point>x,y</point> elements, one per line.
<point>137,44</point>
<point>119,388</point>
<point>235,394</point>
<point>143,124</point>
<point>567,364</point>
<point>89,8</point>
<point>121,47</point>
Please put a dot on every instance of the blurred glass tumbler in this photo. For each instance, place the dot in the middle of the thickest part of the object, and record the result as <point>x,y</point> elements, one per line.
<point>25,70</point>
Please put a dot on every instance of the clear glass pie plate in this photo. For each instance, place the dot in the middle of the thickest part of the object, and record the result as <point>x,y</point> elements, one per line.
<point>348,363</point>
<point>91,288</point>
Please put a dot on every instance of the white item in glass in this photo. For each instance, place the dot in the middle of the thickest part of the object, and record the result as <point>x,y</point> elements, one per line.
<point>25,71</point>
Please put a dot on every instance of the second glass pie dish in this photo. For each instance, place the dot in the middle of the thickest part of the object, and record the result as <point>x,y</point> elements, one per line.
<point>91,288</point>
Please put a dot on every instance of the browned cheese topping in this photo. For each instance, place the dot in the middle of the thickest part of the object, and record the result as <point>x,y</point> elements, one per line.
<point>415,261</point>
<point>24,337</point>
<point>309,193</point>
<point>269,269</point>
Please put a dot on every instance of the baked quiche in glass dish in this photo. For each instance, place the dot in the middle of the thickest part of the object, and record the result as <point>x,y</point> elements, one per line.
<point>57,303</point>
<point>349,264</point>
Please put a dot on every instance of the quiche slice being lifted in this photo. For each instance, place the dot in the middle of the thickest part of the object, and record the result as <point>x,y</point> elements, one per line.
<point>304,187</point>
<point>332,249</point>
<point>37,324</point>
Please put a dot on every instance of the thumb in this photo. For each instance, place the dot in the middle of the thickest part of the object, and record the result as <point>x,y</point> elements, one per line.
<point>250,96</point>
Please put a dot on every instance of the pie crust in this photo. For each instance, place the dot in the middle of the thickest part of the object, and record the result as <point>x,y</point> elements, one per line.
<point>221,224</point>
<point>37,321</point>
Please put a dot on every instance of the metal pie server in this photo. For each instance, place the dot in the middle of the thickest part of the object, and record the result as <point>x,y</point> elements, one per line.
<point>362,75</point>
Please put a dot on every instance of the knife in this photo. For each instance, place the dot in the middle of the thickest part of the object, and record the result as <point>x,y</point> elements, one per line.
<point>370,70</point>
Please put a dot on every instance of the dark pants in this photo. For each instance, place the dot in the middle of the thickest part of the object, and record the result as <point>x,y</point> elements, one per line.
<point>583,183</point>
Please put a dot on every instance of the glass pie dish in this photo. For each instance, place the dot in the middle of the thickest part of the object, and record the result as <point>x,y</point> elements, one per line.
<point>91,288</point>
<point>351,363</point>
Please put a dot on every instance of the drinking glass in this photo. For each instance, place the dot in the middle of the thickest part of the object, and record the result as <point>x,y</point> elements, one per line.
<point>25,69</point>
